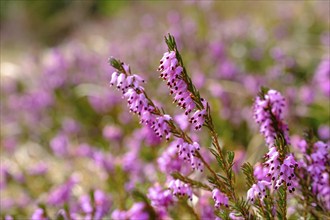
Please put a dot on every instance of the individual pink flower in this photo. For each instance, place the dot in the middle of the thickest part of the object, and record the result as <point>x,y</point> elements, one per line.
<point>180,189</point>
<point>219,198</point>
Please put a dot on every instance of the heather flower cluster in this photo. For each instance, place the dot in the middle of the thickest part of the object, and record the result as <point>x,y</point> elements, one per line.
<point>138,103</point>
<point>172,73</point>
<point>180,189</point>
<point>279,164</point>
<point>268,113</point>
<point>316,164</point>
<point>149,114</point>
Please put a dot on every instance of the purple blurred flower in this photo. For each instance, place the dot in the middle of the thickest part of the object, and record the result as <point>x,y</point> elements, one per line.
<point>84,150</point>
<point>103,103</point>
<point>59,145</point>
<point>277,54</point>
<point>4,176</point>
<point>169,162</point>
<point>6,204</point>
<point>307,95</point>
<point>322,76</point>
<point>112,133</point>
<point>160,197</point>
<point>103,160</point>
<point>324,132</point>
<point>40,168</point>
<point>137,211</point>
<point>299,143</point>
<point>206,209</point>
<point>39,214</point>
<point>227,70</point>
<point>315,164</point>
<point>217,50</point>
<point>182,121</point>
<point>9,144</point>
<point>55,65</point>
<point>99,208</point>
<point>61,194</point>
<point>145,134</point>
<point>119,215</point>
<point>70,126</point>
<point>8,217</point>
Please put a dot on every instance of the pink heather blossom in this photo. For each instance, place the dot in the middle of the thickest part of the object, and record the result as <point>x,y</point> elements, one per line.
<point>139,104</point>
<point>62,193</point>
<point>180,189</point>
<point>268,111</point>
<point>299,143</point>
<point>219,198</point>
<point>171,72</point>
<point>169,162</point>
<point>258,190</point>
<point>281,172</point>
<point>316,164</point>
<point>100,205</point>
<point>160,197</point>
<point>260,172</point>
<point>198,119</point>
<point>280,169</point>
<point>188,151</point>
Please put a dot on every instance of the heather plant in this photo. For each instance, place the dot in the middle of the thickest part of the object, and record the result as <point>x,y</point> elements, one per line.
<point>189,130</point>
<point>270,190</point>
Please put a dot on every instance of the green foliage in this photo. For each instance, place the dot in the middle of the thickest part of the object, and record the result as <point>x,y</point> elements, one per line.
<point>223,213</point>
<point>263,91</point>
<point>117,64</point>
<point>242,206</point>
<point>230,156</point>
<point>281,202</point>
<point>249,176</point>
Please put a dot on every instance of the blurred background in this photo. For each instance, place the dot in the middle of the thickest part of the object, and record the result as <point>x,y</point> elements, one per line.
<point>62,124</point>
